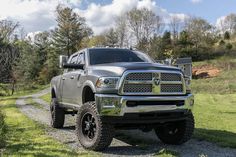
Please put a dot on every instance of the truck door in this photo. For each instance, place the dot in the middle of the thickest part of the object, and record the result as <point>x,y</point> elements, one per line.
<point>68,81</point>
<point>78,80</point>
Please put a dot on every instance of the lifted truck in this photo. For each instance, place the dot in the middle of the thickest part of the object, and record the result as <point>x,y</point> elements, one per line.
<point>113,88</point>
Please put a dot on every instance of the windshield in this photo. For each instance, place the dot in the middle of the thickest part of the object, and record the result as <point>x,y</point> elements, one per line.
<point>101,56</point>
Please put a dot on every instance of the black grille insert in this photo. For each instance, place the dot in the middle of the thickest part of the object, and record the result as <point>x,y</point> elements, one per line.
<point>137,103</point>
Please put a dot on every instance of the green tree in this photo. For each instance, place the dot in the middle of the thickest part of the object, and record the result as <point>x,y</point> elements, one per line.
<point>143,23</point>
<point>227,35</point>
<point>111,37</point>
<point>70,30</point>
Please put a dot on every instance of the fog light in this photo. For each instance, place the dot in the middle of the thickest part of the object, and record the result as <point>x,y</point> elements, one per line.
<point>191,103</point>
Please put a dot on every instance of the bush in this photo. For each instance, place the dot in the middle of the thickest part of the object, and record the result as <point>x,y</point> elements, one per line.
<point>3,130</point>
<point>228,46</point>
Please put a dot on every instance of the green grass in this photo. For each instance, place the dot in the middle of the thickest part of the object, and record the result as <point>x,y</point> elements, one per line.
<point>215,99</point>
<point>46,97</point>
<point>27,138</point>
<point>166,153</point>
<point>3,130</point>
<point>23,90</point>
<point>215,117</point>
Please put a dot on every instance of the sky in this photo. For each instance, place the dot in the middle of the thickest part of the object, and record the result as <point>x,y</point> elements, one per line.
<point>39,15</point>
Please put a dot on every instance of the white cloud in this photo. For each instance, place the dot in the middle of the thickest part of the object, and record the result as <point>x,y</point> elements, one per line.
<point>180,16</point>
<point>33,15</point>
<point>39,15</point>
<point>196,1</point>
<point>220,22</point>
<point>101,17</point>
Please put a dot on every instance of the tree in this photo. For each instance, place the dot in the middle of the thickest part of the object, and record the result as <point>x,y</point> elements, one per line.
<point>26,68</point>
<point>175,26</point>
<point>98,40</point>
<point>197,29</point>
<point>70,31</point>
<point>8,53</point>
<point>227,35</point>
<point>121,29</point>
<point>7,29</point>
<point>111,37</point>
<point>230,23</point>
<point>202,36</point>
<point>143,23</point>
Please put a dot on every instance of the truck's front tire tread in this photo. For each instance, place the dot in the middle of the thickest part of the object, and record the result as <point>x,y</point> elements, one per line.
<point>57,114</point>
<point>104,133</point>
<point>184,133</point>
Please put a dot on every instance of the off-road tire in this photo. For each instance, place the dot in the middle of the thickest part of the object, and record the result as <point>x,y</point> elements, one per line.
<point>57,114</point>
<point>176,133</point>
<point>104,132</point>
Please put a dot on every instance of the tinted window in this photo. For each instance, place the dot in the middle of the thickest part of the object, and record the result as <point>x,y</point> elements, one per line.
<point>81,58</point>
<point>101,56</point>
<point>74,59</point>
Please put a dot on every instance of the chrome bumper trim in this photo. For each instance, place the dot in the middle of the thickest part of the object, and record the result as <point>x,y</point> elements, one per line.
<point>115,105</point>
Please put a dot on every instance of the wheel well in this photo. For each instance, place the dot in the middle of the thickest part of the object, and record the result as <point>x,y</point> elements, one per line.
<point>87,95</point>
<point>53,93</point>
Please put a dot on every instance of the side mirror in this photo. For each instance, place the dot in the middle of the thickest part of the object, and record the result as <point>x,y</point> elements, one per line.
<point>62,60</point>
<point>73,66</point>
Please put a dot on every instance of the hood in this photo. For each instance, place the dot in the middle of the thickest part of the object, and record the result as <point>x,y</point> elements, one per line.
<point>117,69</point>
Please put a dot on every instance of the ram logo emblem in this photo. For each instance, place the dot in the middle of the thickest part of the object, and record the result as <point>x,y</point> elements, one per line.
<point>156,81</point>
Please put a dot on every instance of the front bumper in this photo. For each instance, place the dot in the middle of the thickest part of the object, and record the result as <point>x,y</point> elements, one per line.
<point>115,105</point>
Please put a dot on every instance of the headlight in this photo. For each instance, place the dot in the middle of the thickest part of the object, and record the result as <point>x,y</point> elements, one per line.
<point>107,82</point>
<point>188,84</point>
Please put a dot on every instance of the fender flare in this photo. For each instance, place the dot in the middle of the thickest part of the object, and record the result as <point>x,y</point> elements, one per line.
<point>53,87</point>
<point>89,84</point>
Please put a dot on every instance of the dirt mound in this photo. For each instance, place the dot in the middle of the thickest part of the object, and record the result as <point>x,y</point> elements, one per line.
<point>205,71</point>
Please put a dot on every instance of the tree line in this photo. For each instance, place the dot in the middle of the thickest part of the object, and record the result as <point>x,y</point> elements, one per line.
<point>34,59</point>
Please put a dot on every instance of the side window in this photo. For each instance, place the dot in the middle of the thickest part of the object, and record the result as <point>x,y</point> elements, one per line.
<point>81,58</point>
<point>74,59</point>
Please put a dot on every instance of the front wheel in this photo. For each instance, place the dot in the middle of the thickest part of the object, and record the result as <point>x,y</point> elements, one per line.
<point>57,114</point>
<point>176,133</point>
<point>92,133</point>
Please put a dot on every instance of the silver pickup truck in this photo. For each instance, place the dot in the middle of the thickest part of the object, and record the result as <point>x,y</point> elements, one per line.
<point>114,88</point>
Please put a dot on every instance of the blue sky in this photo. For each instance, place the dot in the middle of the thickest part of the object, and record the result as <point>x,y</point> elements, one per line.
<point>210,10</point>
<point>207,9</point>
<point>39,15</point>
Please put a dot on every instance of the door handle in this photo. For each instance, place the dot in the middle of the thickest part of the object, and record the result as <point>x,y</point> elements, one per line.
<point>72,77</point>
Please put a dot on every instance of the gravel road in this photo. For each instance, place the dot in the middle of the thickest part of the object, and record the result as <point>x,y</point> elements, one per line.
<point>122,144</point>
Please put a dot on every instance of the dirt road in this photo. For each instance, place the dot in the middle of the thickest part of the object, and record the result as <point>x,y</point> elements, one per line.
<point>125,143</point>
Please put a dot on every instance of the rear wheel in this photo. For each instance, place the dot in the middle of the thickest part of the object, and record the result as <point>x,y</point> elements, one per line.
<point>57,114</point>
<point>176,132</point>
<point>92,133</point>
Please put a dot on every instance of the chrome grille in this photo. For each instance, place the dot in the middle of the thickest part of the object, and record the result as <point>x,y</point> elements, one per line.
<point>137,88</point>
<point>170,77</point>
<point>139,76</point>
<point>145,82</point>
<point>171,88</point>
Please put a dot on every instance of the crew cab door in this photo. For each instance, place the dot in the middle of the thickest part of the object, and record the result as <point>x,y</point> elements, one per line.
<point>70,79</point>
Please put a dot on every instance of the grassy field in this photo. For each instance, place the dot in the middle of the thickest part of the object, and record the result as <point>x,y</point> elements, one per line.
<point>215,117</point>
<point>46,97</point>
<point>25,137</point>
<point>215,99</point>
<point>22,90</point>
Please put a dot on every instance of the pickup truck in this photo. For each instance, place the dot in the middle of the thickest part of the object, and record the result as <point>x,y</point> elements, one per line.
<point>116,88</point>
